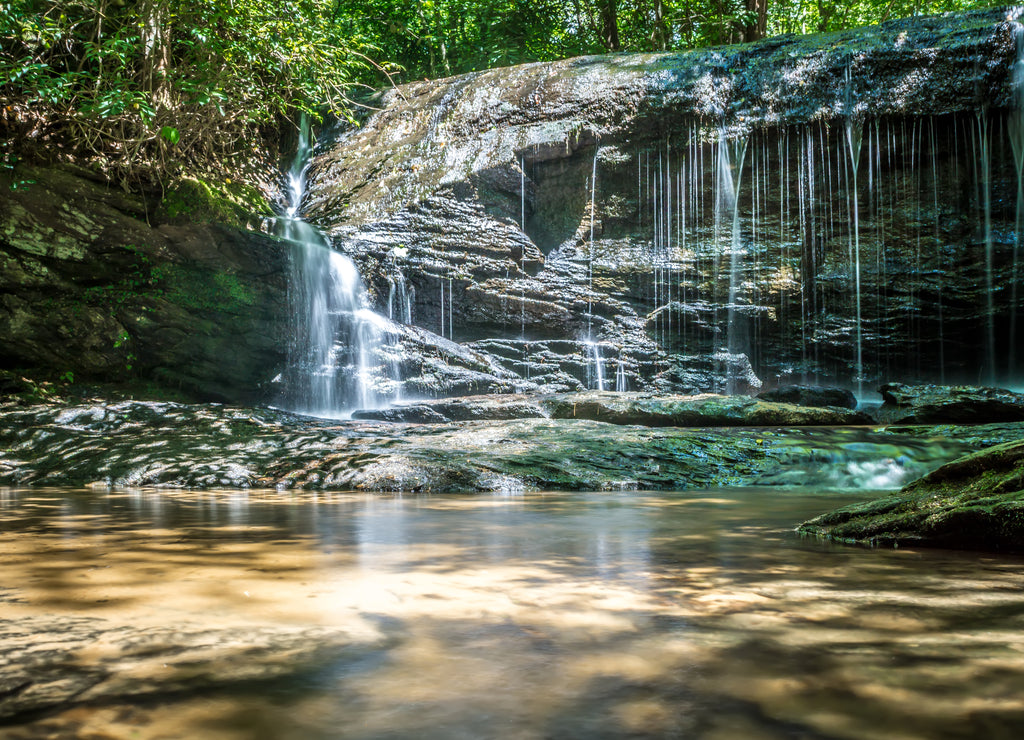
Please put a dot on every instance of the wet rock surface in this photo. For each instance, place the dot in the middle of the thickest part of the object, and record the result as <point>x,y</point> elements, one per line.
<point>811,395</point>
<point>573,220</point>
<point>643,409</point>
<point>936,404</point>
<point>693,411</point>
<point>975,502</point>
<point>134,443</point>
<point>92,284</point>
<point>468,408</point>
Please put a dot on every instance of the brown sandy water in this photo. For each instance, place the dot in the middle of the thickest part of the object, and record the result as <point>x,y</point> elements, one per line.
<point>260,614</point>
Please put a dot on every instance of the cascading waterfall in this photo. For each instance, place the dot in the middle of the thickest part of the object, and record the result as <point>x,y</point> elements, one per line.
<point>823,231</point>
<point>933,143</point>
<point>621,381</point>
<point>333,365</point>
<point>400,297</point>
<point>590,248</point>
<point>597,366</point>
<point>807,253</point>
<point>522,269</point>
<point>732,154</point>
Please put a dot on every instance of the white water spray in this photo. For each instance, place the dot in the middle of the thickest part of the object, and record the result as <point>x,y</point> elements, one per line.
<point>597,379</point>
<point>621,381</point>
<point>333,366</point>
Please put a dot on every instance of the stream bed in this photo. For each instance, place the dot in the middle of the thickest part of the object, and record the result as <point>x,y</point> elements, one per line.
<point>701,614</point>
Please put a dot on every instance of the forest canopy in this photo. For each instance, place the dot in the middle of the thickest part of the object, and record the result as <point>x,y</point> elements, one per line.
<point>148,87</point>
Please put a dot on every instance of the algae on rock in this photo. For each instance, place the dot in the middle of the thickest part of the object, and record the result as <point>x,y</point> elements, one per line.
<point>93,283</point>
<point>975,502</point>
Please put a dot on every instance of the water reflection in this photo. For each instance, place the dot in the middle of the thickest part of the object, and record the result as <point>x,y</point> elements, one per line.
<point>312,615</point>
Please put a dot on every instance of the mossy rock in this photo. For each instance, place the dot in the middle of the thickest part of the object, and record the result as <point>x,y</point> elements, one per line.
<point>199,201</point>
<point>201,290</point>
<point>975,502</point>
<point>706,410</point>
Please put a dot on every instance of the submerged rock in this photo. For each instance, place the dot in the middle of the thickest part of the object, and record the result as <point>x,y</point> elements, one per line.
<point>943,404</point>
<point>975,502</point>
<point>38,671</point>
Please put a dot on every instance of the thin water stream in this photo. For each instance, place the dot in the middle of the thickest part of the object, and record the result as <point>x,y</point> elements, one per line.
<point>264,614</point>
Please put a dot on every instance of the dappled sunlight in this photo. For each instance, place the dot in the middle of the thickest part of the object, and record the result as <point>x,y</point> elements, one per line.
<point>605,614</point>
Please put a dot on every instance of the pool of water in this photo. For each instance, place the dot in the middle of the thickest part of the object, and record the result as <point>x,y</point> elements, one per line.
<point>261,614</point>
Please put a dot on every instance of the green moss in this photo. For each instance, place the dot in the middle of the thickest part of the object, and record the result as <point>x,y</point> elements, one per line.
<point>201,290</point>
<point>228,202</point>
<point>974,502</point>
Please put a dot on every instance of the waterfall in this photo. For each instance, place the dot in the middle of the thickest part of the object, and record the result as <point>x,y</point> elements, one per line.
<point>590,246</point>
<point>854,133</point>
<point>596,379</point>
<point>522,269</point>
<point>829,261</point>
<point>732,154</point>
<point>621,381</point>
<point>983,148</point>
<point>400,294</point>
<point>938,249</point>
<point>333,366</point>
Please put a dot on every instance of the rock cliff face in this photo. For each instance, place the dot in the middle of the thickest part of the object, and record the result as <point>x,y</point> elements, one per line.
<point>92,285</point>
<point>841,209</point>
<point>838,207</point>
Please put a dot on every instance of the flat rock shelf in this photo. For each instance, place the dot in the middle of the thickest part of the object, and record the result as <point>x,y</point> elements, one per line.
<point>136,443</point>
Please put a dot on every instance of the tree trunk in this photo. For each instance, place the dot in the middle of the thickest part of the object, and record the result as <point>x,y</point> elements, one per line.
<point>155,39</point>
<point>659,34</point>
<point>758,25</point>
<point>825,13</point>
<point>610,25</point>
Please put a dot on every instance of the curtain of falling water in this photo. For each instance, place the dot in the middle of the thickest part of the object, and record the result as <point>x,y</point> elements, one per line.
<point>333,365</point>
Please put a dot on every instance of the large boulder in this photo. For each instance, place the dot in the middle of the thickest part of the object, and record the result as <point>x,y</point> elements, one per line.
<point>705,410</point>
<point>811,395</point>
<point>940,404</point>
<point>975,502</point>
<point>533,209</point>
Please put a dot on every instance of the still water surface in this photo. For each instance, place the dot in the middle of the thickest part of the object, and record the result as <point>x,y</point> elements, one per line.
<point>608,615</point>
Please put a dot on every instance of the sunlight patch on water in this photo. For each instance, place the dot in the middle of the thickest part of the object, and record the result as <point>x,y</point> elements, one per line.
<point>539,616</point>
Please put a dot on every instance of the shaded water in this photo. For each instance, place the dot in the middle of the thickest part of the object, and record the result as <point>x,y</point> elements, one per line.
<point>302,615</point>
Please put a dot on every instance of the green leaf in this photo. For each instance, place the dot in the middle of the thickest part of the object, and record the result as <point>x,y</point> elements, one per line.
<point>170,134</point>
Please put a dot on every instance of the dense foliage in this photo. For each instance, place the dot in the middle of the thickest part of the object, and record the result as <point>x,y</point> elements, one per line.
<point>144,87</point>
<point>432,38</point>
<point>139,85</point>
